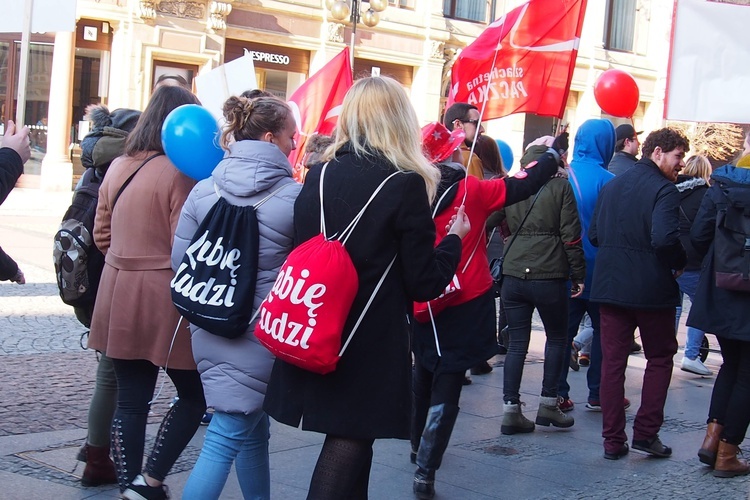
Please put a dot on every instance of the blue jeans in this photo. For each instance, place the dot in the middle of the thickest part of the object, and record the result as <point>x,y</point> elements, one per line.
<point>238,438</point>
<point>550,298</point>
<point>576,309</point>
<point>688,282</point>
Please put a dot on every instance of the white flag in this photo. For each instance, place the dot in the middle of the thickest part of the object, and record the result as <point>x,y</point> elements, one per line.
<point>232,78</point>
<point>709,72</point>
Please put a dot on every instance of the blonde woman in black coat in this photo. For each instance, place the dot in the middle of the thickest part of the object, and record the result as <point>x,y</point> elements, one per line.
<point>368,396</point>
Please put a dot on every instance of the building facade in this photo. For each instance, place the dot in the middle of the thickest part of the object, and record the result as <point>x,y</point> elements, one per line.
<point>121,47</point>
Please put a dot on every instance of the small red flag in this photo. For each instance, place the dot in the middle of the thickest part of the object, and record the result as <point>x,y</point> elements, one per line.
<point>536,46</point>
<point>317,104</point>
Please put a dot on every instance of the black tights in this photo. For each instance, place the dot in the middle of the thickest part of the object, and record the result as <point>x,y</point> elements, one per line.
<point>343,470</point>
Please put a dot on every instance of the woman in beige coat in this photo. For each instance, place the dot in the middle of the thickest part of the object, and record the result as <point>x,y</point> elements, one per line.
<point>134,320</point>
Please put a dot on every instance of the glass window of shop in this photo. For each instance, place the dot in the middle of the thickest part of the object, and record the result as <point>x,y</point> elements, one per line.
<point>37,91</point>
<point>402,74</point>
<point>90,82</point>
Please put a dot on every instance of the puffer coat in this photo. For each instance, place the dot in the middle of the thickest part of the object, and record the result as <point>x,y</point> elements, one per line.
<point>235,372</point>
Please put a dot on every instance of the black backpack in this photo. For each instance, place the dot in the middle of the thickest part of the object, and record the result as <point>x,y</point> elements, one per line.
<point>214,285</point>
<point>78,262</point>
<point>732,245</point>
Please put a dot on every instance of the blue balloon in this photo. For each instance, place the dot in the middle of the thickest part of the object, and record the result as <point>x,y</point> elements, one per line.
<point>190,136</point>
<point>505,153</point>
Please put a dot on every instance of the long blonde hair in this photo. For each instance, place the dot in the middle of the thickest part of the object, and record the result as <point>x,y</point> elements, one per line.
<point>698,166</point>
<point>377,116</point>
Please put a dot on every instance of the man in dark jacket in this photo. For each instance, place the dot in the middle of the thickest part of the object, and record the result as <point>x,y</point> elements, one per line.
<point>626,148</point>
<point>15,152</point>
<point>636,227</point>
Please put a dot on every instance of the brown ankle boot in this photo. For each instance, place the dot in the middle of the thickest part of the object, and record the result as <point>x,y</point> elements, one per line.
<point>727,464</point>
<point>707,453</point>
<point>99,467</point>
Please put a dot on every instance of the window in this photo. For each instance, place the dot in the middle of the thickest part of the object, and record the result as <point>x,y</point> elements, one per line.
<point>401,4</point>
<point>469,10</point>
<point>619,28</point>
<point>161,68</point>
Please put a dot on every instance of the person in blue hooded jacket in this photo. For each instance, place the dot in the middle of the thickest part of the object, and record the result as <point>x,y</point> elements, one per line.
<point>593,149</point>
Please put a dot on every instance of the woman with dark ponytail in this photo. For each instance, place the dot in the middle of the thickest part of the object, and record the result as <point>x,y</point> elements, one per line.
<point>258,136</point>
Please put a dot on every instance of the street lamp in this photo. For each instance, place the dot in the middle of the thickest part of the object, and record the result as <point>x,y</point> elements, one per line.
<point>340,10</point>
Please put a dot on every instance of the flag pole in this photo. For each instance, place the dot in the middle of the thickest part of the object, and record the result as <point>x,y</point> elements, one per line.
<point>23,67</point>
<point>354,20</point>
<point>484,102</point>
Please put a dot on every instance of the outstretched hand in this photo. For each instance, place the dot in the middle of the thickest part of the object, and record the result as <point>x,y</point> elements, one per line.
<point>19,277</point>
<point>459,223</point>
<point>17,140</point>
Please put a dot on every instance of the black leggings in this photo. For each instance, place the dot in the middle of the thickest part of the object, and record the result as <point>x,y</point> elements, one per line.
<point>343,470</point>
<point>136,380</point>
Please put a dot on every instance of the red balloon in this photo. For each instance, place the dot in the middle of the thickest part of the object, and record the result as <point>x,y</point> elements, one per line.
<point>617,93</point>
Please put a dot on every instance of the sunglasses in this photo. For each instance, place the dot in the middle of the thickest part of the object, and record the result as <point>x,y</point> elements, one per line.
<point>473,122</point>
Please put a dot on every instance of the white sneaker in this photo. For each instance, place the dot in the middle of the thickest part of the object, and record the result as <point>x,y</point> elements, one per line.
<point>695,366</point>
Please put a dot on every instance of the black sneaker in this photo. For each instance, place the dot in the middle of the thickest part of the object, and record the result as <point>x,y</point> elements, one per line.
<point>139,490</point>
<point>482,368</point>
<point>653,447</point>
<point>618,454</point>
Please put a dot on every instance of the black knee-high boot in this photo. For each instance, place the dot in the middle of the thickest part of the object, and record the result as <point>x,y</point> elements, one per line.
<point>437,432</point>
<point>419,407</point>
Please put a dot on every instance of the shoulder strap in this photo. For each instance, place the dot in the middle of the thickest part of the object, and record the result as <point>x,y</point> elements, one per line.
<point>435,211</point>
<point>130,178</point>
<point>440,200</point>
<point>350,228</point>
<point>367,306</point>
<point>271,195</point>
<point>515,235</point>
<point>685,215</point>
<point>259,203</point>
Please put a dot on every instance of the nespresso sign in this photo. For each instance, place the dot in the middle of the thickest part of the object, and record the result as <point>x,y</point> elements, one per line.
<point>270,58</point>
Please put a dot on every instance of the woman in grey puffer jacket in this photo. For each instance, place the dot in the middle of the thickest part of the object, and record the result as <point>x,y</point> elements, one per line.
<point>235,372</point>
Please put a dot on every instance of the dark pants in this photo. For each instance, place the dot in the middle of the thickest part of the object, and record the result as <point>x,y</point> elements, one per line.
<point>576,309</point>
<point>730,400</point>
<point>550,298</point>
<point>659,346</point>
<point>136,380</point>
<point>428,390</point>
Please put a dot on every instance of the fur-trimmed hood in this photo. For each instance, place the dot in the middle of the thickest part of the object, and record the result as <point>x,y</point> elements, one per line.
<point>685,182</point>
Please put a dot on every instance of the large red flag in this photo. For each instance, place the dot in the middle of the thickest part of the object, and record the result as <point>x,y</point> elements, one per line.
<point>534,48</point>
<point>317,104</point>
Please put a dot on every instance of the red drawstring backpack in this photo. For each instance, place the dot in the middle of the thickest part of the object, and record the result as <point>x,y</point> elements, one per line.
<point>423,311</point>
<point>302,318</point>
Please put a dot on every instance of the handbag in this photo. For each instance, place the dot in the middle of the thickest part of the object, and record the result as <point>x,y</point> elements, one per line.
<point>496,265</point>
